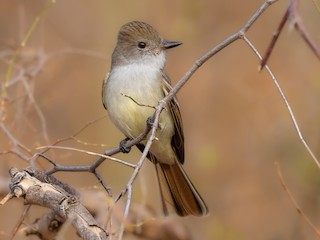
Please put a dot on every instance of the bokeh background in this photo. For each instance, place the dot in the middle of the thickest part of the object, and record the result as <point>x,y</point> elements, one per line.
<point>236,124</point>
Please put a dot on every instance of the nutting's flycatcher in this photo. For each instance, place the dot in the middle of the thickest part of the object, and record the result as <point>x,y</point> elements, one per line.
<point>137,81</point>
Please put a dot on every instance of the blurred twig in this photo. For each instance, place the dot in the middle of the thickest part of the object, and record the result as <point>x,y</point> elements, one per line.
<point>291,14</point>
<point>23,76</point>
<point>17,145</point>
<point>294,201</point>
<point>19,222</point>
<point>18,50</point>
<point>316,4</point>
<point>299,26</point>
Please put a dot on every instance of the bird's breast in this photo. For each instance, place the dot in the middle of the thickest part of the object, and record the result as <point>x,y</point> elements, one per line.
<point>131,93</point>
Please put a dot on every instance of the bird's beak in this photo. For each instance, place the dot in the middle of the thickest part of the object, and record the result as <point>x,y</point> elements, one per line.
<point>168,44</point>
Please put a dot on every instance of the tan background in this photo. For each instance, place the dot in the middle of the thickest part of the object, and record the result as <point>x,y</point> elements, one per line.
<point>236,124</point>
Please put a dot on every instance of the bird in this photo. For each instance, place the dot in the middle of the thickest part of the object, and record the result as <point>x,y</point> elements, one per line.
<point>136,82</point>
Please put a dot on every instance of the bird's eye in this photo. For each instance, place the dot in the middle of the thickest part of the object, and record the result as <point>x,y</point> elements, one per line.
<point>142,45</point>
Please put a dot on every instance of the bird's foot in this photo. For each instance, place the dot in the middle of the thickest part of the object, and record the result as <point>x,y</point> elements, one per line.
<point>150,122</point>
<point>123,146</point>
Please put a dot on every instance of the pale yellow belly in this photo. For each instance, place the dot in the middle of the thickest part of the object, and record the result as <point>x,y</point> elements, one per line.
<point>130,98</point>
<point>132,119</point>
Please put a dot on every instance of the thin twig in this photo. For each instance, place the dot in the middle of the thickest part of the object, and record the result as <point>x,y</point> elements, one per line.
<point>294,201</point>
<point>41,154</point>
<point>135,101</point>
<point>90,153</point>
<point>14,57</point>
<point>38,110</point>
<point>100,160</point>
<point>274,40</point>
<point>77,132</point>
<point>301,29</point>
<point>17,144</point>
<point>102,182</point>
<point>21,218</point>
<point>126,211</point>
<point>291,14</point>
<point>293,118</point>
<point>152,137</point>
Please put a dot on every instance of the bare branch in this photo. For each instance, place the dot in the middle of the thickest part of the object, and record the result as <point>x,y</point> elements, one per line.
<point>90,153</point>
<point>274,40</point>
<point>30,185</point>
<point>291,14</point>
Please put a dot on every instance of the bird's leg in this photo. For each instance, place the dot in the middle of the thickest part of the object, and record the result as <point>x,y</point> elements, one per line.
<point>123,146</point>
<point>150,122</point>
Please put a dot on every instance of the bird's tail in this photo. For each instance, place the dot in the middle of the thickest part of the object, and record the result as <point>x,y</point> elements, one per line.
<point>184,197</point>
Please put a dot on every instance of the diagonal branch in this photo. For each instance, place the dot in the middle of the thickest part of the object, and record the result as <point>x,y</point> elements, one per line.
<point>215,50</point>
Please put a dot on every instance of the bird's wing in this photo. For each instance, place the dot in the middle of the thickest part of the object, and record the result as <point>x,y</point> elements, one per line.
<point>104,89</point>
<point>177,141</point>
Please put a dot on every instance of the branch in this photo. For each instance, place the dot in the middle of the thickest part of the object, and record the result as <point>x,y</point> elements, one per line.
<point>274,40</point>
<point>198,63</point>
<point>39,189</point>
<point>291,14</point>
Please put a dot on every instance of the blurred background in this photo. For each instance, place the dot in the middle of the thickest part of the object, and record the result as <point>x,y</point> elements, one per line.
<point>236,124</point>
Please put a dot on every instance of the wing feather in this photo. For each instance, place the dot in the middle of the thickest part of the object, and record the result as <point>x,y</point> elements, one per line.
<point>177,141</point>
